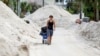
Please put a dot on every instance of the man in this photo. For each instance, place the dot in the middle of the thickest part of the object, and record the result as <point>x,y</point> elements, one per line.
<point>50,28</point>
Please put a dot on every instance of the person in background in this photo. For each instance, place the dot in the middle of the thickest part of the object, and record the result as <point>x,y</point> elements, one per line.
<point>50,29</point>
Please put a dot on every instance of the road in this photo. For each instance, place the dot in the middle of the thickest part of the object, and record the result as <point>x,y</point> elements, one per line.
<point>64,43</point>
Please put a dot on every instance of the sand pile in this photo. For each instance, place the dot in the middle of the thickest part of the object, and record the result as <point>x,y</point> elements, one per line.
<point>91,33</point>
<point>61,16</point>
<point>16,22</point>
<point>15,34</point>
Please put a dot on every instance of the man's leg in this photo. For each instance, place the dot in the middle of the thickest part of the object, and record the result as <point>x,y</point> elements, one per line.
<point>50,39</point>
<point>51,34</point>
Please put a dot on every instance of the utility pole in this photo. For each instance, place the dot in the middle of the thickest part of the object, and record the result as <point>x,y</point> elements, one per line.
<point>97,11</point>
<point>81,9</point>
<point>18,7</point>
<point>43,2</point>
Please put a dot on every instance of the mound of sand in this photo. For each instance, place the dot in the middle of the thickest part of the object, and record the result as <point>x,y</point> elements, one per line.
<point>61,16</point>
<point>15,34</point>
<point>91,33</point>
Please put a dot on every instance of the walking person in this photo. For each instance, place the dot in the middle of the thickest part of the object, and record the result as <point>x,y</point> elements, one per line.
<point>50,29</point>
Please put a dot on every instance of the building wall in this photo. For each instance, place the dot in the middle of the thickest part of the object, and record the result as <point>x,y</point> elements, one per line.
<point>54,2</point>
<point>50,1</point>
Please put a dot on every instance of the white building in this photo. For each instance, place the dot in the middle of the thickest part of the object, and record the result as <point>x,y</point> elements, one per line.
<point>51,2</point>
<point>56,2</point>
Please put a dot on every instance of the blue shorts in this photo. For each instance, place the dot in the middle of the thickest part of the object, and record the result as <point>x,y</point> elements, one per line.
<point>49,32</point>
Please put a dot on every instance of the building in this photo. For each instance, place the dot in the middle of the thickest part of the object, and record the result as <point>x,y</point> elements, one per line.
<point>56,2</point>
<point>50,2</point>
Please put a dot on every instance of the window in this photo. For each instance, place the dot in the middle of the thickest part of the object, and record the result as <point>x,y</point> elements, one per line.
<point>57,0</point>
<point>61,0</point>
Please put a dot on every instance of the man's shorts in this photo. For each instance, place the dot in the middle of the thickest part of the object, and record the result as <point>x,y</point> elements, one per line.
<point>49,32</point>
